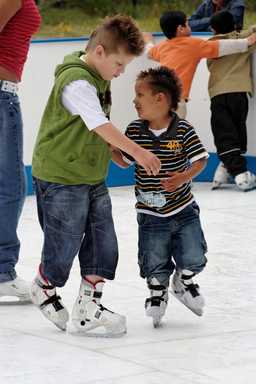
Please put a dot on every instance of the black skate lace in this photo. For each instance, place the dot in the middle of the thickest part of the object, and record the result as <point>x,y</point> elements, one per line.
<point>55,301</point>
<point>102,308</point>
<point>155,301</point>
<point>193,289</point>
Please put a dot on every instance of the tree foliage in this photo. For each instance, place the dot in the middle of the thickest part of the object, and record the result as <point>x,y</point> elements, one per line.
<point>132,7</point>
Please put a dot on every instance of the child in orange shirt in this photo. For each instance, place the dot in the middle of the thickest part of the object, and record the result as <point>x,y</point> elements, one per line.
<point>182,52</point>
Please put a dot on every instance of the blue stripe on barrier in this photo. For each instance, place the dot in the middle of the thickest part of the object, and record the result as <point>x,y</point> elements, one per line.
<point>119,177</point>
<point>86,38</point>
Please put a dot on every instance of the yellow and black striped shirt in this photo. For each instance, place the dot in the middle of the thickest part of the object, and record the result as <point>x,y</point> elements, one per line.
<point>177,148</point>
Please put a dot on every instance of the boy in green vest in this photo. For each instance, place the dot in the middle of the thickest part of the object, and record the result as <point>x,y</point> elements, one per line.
<point>70,164</point>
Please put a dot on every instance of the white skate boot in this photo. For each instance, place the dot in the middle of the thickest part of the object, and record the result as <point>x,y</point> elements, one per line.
<point>156,305</point>
<point>221,176</point>
<point>188,293</point>
<point>17,288</point>
<point>44,296</point>
<point>91,318</point>
<point>246,181</point>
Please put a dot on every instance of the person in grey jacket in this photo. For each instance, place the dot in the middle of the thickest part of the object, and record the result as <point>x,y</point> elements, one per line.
<point>200,19</point>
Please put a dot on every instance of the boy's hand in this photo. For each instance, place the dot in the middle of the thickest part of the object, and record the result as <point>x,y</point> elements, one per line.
<point>251,39</point>
<point>148,161</point>
<point>174,181</point>
<point>148,37</point>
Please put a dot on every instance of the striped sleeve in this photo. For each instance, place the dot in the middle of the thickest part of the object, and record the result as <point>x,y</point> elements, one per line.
<point>192,144</point>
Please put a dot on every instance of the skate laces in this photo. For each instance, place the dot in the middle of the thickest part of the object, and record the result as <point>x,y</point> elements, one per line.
<point>189,285</point>
<point>53,299</point>
<point>156,299</point>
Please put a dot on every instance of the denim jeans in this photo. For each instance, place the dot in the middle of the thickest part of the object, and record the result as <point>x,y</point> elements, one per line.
<point>76,219</point>
<point>166,243</point>
<point>12,182</point>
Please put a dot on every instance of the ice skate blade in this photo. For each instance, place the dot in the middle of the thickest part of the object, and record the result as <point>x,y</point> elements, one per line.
<point>14,300</point>
<point>157,323</point>
<point>198,312</point>
<point>156,318</point>
<point>246,190</point>
<point>61,326</point>
<point>215,186</point>
<point>100,333</point>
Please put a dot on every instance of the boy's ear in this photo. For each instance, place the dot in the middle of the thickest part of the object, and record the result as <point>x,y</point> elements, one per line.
<point>99,50</point>
<point>160,96</point>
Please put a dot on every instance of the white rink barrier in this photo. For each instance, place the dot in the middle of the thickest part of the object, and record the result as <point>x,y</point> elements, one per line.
<point>37,82</point>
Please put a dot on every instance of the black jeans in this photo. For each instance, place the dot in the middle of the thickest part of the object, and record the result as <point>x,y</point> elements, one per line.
<point>228,122</point>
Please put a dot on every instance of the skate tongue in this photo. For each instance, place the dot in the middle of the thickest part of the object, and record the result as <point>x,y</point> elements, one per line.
<point>154,281</point>
<point>99,284</point>
<point>93,291</point>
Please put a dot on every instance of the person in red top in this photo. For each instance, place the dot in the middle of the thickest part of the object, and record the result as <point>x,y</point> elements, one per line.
<point>19,19</point>
<point>182,52</point>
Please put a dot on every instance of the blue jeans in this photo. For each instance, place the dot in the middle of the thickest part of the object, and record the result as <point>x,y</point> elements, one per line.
<point>12,182</point>
<point>166,243</point>
<point>76,219</point>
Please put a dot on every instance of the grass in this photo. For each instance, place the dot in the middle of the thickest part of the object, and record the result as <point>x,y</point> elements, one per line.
<point>76,22</point>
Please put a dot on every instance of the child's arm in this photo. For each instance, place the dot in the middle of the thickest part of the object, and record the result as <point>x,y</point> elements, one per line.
<point>225,46</point>
<point>118,158</point>
<point>149,43</point>
<point>176,179</point>
<point>145,158</point>
<point>73,99</point>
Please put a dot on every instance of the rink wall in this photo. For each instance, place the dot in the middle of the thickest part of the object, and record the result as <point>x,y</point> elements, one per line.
<point>44,55</point>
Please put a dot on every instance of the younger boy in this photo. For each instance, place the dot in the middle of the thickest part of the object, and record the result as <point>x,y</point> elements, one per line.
<point>70,164</point>
<point>170,234</point>
<point>182,52</point>
<point>229,82</point>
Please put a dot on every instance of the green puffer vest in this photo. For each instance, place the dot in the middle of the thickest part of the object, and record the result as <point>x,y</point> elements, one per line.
<point>66,152</point>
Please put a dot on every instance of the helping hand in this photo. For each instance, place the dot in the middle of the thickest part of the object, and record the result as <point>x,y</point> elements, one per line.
<point>148,161</point>
<point>174,181</point>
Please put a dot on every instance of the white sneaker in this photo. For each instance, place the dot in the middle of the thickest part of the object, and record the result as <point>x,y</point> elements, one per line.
<point>44,296</point>
<point>221,176</point>
<point>188,293</point>
<point>91,318</point>
<point>156,304</point>
<point>246,181</point>
<point>17,288</point>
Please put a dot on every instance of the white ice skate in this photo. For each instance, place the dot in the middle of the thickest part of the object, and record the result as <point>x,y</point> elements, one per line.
<point>15,292</point>
<point>188,293</point>
<point>221,176</point>
<point>91,318</point>
<point>44,296</point>
<point>246,181</point>
<point>156,304</point>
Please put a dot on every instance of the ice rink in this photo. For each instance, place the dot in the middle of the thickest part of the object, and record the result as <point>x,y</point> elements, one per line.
<point>219,348</point>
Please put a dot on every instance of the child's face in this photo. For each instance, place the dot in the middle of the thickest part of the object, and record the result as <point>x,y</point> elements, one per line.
<point>113,64</point>
<point>184,30</point>
<point>149,106</point>
<point>218,3</point>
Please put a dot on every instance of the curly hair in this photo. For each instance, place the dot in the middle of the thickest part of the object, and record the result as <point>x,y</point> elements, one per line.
<point>165,80</point>
<point>119,31</point>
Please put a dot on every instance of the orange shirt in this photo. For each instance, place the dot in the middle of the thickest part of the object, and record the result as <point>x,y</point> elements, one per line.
<point>183,55</point>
